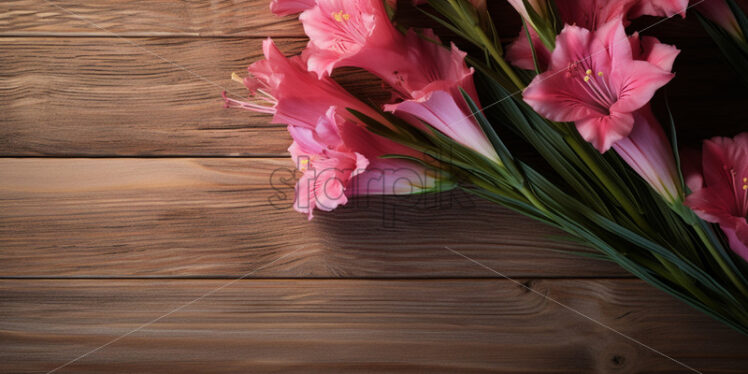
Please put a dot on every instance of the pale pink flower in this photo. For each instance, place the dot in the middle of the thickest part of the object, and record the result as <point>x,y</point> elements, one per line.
<point>594,81</point>
<point>340,159</point>
<point>442,111</point>
<point>720,13</point>
<point>327,165</point>
<point>647,150</point>
<point>724,197</point>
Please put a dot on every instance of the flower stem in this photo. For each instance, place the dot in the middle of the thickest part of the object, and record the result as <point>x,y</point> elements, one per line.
<point>721,261</point>
<point>491,48</point>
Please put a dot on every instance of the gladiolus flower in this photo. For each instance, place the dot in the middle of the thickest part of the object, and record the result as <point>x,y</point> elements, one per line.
<point>359,34</point>
<point>331,149</point>
<point>589,14</point>
<point>724,197</point>
<point>283,87</point>
<point>441,111</point>
<point>340,159</point>
<point>594,81</point>
<point>288,7</point>
<point>720,13</point>
<point>520,54</point>
<point>647,150</point>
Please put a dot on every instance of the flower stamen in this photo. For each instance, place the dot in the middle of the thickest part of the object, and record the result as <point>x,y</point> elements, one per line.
<point>340,16</point>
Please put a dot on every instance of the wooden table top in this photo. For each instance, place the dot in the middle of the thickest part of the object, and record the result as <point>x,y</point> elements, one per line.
<point>146,229</point>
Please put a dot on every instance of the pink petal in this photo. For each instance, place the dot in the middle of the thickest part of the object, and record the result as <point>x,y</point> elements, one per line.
<point>636,82</point>
<point>519,52</point>
<point>738,238</point>
<point>288,7</point>
<point>442,112</point>
<point>602,132</point>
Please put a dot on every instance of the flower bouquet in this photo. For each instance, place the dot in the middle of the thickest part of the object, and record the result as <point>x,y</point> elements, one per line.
<point>574,87</point>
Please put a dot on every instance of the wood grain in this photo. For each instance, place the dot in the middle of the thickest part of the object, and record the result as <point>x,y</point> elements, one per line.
<point>161,96</point>
<point>88,96</point>
<point>371,326</point>
<point>247,18</point>
<point>222,217</point>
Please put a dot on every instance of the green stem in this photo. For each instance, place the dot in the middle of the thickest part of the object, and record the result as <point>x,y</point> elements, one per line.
<point>491,48</point>
<point>721,261</point>
<point>612,187</point>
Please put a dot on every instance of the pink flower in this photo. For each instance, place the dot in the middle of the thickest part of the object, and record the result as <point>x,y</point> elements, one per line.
<point>690,164</point>
<point>720,13</point>
<point>340,159</point>
<point>650,49</point>
<point>647,150</point>
<point>288,7</point>
<point>332,150</point>
<point>724,198</point>
<point>520,54</point>
<point>326,163</point>
<point>359,34</point>
<point>594,81</point>
<point>589,14</point>
<point>592,14</point>
<point>658,8</point>
<point>283,87</point>
<point>441,111</point>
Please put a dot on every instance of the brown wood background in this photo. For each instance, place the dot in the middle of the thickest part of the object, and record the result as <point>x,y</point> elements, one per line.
<point>126,191</point>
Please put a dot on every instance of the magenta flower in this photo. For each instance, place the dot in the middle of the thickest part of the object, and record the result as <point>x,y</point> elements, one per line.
<point>594,81</point>
<point>724,197</point>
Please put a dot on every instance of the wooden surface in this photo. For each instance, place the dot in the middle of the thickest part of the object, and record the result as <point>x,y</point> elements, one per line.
<point>127,193</point>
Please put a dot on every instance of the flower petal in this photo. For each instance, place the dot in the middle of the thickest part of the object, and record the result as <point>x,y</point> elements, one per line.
<point>603,131</point>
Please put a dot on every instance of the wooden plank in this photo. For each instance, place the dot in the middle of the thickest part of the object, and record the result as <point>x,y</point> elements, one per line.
<point>102,97</point>
<point>249,18</point>
<point>223,217</point>
<point>216,18</point>
<point>92,96</point>
<point>107,97</point>
<point>372,326</point>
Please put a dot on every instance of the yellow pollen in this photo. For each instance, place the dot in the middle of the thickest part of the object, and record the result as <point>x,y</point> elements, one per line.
<point>235,77</point>
<point>599,73</point>
<point>586,78</point>
<point>745,180</point>
<point>745,187</point>
<point>340,16</point>
<point>588,72</point>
